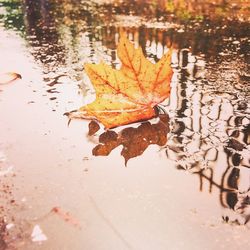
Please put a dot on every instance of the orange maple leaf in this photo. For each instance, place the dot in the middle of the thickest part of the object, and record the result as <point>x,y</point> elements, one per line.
<point>129,94</point>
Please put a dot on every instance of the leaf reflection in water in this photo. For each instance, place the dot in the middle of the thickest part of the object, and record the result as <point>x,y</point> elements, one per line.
<point>134,140</point>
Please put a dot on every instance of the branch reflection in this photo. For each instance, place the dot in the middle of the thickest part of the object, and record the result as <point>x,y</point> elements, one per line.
<point>210,132</point>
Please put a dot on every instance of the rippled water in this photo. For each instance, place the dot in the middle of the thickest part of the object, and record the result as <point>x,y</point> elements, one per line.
<point>154,203</point>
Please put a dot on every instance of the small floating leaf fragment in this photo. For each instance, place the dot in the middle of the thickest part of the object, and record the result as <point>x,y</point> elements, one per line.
<point>38,235</point>
<point>9,77</point>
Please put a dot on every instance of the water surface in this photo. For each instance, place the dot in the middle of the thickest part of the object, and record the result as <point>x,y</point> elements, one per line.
<point>190,192</point>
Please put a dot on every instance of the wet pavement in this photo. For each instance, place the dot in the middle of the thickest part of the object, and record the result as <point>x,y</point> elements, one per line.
<point>186,189</point>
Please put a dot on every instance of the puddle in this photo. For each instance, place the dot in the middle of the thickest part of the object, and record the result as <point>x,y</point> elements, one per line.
<point>186,184</point>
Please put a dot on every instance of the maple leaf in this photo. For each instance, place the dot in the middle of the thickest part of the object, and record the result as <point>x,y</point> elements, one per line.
<point>129,94</point>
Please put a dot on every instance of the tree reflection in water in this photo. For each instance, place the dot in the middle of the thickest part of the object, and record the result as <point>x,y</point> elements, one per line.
<point>211,132</point>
